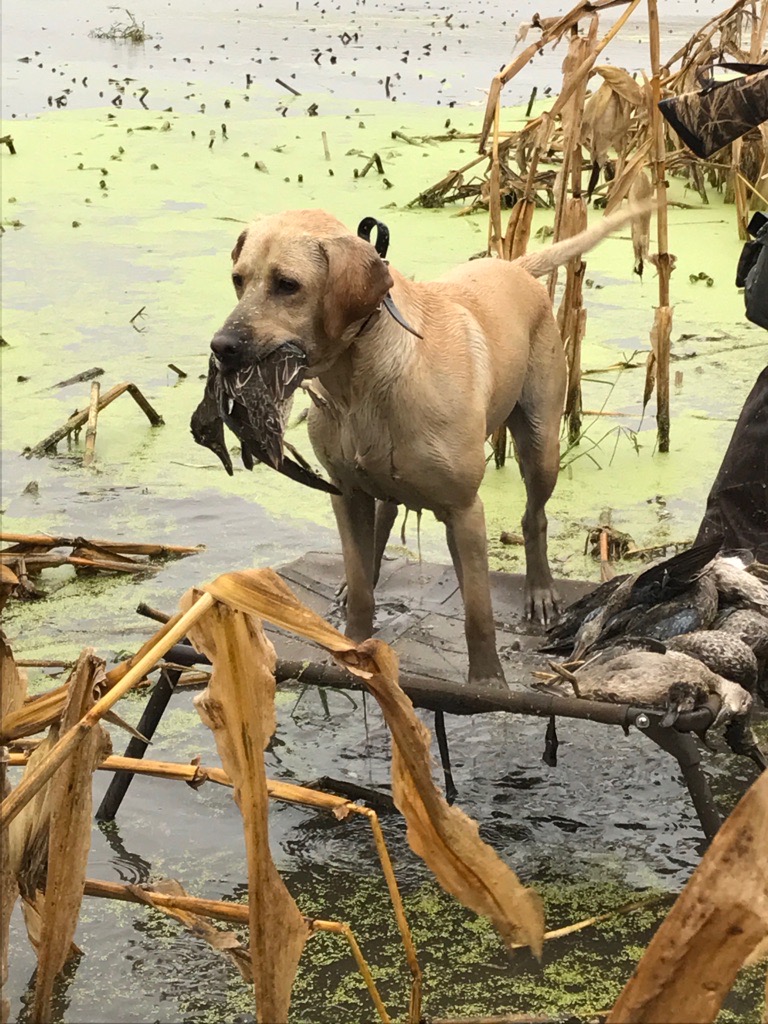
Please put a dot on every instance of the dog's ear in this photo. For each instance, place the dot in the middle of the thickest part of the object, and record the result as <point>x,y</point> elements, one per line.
<point>358,279</point>
<point>239,245</point>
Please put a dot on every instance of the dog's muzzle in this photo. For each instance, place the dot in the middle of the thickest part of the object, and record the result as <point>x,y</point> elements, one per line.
<point>228,346</point>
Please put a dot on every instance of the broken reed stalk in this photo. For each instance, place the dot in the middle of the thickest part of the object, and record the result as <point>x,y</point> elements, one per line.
<point>570,218</point>
<point>232,913</point>
<point>45,540</point>
<point>34,563</point>
<point>285,792</point>
<point>338,928</point>
<point>33,782</point>
<point>519,226</point>
<point>90,430</point>
<point>663,315</point>
<point>78,419</point>
<point>495,236</point>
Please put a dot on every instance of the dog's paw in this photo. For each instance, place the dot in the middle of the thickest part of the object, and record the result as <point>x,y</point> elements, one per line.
<point>493,684</point>
<point>542,604</point>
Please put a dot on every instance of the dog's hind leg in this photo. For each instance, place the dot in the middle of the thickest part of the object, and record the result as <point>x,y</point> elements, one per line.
<point>386,514</point>
<point>535,427</point>
<point>355,519</point>
<point>465,529</point>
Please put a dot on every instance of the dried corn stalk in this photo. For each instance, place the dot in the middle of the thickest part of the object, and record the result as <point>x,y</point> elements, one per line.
<point>446,838</point>
<point>239,707</point>
<point>572,317</point>
<point>607,114</point>
<point>12,693</point>
<point>67,804</point>
<point>224,941</point>
<point>720,918</point>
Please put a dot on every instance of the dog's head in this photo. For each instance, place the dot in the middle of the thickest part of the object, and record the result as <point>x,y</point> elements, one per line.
<point>301,279</point>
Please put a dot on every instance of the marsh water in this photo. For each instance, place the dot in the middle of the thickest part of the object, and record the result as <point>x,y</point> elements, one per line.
<point>115,207</point>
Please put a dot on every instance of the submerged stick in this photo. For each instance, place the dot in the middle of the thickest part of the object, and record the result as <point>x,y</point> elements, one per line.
<point>90,431</point>
<point>79,378</point>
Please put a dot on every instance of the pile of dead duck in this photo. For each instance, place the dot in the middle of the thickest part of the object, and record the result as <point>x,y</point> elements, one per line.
<point>672,636</point>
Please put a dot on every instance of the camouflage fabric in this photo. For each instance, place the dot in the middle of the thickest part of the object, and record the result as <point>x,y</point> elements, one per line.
<point>737,506</point>
<point>708,120</point>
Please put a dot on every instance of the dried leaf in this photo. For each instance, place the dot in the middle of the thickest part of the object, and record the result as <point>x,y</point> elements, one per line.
<point>446,839</point>
<point>12,693</point>
<point>28,832</point>
<point>719,919</point>
<point>621,185</point>
<point>224,941</point>
<point>605,123</point>
<point>444,836</point>
<point>662,325</point>
<point>622,83</point>
<point>69,798</point>
<point>238,707</point>
<point>33,919</point>
<point>579,48</point>
<point>760,952</point>
<point>33,716</point>
<point>262,592</point>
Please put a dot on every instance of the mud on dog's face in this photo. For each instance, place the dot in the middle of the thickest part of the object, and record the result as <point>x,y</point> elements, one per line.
<point>302,279</point>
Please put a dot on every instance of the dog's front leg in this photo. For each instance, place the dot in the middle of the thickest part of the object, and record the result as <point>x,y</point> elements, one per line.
<point>355,520</point>
<point>467,542</point>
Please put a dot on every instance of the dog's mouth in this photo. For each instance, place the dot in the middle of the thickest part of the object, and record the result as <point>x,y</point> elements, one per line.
<point>254,401</point>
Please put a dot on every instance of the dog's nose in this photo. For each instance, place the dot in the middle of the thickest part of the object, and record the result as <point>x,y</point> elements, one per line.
<point>228,349</point>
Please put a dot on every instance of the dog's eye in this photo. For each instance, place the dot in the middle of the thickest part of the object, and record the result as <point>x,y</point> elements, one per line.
<point>237,281</point>
<point>286,285</point>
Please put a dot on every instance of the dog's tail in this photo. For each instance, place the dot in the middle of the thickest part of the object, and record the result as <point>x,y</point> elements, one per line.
<point>539,263</point>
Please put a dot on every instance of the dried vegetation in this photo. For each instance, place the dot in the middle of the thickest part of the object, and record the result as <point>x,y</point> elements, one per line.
<point>46,820</point>
<point>617,133</point>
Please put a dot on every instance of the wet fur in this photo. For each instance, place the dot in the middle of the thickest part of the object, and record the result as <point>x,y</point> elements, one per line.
<point>403,420</point>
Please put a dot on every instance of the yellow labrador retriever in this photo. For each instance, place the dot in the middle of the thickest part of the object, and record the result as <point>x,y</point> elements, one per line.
<point>400,419</point>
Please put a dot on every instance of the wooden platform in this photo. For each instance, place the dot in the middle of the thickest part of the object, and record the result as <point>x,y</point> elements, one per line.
<point>420,614</point>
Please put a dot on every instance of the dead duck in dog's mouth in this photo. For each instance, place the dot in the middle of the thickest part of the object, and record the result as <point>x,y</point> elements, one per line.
<point>254,401</point>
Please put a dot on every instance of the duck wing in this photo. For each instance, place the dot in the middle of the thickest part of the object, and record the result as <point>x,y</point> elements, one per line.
<point>674,574</point>
<point>207,424</point>
<point>694,609</point>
